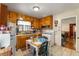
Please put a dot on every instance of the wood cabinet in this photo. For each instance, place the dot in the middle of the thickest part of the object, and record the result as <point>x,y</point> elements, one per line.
<point>3,14</point>
<point>46,22</point>
<point>12,16</point>
<point>35,23</point>
<point>27,18</point>
<point>21,41</point>
<point>43,22</point>
<point>39,23</point>
<point>20,15</point>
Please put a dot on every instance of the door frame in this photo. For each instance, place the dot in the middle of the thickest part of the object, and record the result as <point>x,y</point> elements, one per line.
<point>76,28</point>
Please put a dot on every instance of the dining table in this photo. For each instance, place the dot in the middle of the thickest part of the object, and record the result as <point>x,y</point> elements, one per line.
<point>35,44</point>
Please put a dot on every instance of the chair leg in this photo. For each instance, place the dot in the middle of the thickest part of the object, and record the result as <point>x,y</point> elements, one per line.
<point>47,53</point>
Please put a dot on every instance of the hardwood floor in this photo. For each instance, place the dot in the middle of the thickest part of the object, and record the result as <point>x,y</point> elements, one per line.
<point>70,44</point>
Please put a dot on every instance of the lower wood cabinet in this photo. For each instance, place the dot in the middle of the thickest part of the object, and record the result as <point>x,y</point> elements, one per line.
<point>21,42</point>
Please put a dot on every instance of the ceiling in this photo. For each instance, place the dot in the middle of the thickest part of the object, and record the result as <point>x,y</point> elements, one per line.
<point>45,8</point>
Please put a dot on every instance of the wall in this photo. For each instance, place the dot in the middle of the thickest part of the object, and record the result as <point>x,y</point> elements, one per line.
<point>61,16</point>
<point>65,23</point>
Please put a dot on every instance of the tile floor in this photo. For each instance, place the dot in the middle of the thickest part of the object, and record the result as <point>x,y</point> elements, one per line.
<point>62,51</point>
<point>19,52</point>
<point>56,51</point>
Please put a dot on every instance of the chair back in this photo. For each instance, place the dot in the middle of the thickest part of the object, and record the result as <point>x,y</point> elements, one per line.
<point>43,49</point>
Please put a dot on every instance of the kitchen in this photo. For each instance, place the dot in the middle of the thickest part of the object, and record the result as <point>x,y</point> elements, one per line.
<point>21,27</point>
<point>31,29</point>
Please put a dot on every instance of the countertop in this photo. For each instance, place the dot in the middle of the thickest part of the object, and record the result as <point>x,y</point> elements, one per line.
<point>28,34</point>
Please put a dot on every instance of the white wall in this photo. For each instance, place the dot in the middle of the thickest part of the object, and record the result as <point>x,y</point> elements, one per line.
<point>61,16</point>
<point>66,22</point>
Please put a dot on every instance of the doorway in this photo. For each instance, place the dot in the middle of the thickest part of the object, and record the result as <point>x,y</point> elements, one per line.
<point>68,32</point>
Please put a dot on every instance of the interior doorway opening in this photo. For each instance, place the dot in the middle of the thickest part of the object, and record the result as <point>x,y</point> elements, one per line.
<point>68,32</point>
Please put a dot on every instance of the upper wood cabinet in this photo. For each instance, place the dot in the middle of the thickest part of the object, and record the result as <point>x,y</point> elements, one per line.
<point>12,16</point>
<point>3,14</point>
<point>46,22</point>
<point>28,18</point>
<point>35,23</point>
<point>43,22</point>
<point>20,15</point>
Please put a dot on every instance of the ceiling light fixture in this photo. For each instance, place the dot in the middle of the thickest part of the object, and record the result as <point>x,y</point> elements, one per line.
<point>36,8</point>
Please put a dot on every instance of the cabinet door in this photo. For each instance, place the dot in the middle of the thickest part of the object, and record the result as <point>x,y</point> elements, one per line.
<point>47,21</point>
<point>3,14</point>
<point>39,23</point>
<point>28,18</point>
<point>35,23</point>
<point>18,44</point>
<point>8,16</point>
<point>43,22</point>
<point>12,16</point>
<point>21,41</point>
<point>24,17</point>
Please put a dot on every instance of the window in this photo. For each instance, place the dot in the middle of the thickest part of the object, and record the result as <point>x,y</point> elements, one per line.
<point>23,25</point>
